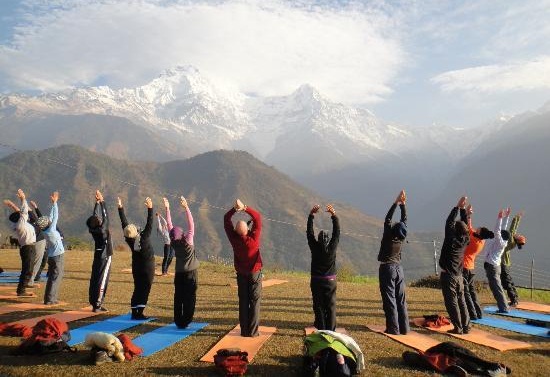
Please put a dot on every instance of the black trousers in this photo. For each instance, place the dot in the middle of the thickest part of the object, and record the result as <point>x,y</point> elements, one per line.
<point>250,293</point>
<point>143,271</point>
<point>453,295</point>
<point>168,256</point>
<point>323,292</point>
<point>392,290</point>
<point>99,280</point>
<point>27,257</point>
<point>508,283</point>
<point>42,266</point>
<point>185,297</point>
<point>470,295</point>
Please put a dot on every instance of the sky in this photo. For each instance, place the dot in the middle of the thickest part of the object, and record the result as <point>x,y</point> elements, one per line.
<point>414,62</point>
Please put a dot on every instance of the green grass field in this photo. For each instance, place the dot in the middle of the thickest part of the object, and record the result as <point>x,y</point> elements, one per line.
<point>286,306</point>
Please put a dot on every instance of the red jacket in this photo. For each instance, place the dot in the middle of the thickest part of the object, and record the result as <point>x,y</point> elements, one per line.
<point>246,249</point>
<point>473,249</point>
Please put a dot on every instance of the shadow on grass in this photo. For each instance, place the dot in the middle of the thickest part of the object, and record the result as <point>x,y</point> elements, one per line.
<point>8,357</point>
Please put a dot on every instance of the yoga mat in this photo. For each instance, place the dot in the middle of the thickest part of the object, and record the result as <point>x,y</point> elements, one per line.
<point>12,295</point>
<point>68,316</point>
<point>158,273</point>
<point>479,337</point>
<point>164,337</point>
<point>310,329</point>
<point>534,306</point>
<point>110,326</point>
<point>16,274</point>
<point>519,314</point>
<point>24,306</point>
<point>267,283</point>
<point>234,339</point>
<point>9,280</point>
<point>521,328</point>
<point>412,339</point>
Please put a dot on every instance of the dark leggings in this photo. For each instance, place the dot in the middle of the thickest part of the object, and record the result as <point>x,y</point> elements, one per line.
<point>168,256</point>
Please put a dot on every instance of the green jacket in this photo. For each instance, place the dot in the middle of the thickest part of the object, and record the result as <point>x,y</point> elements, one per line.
<point>316,342</point>
<point>505,260</point>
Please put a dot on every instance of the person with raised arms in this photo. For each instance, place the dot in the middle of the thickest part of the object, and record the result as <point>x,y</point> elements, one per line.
<point>515,240</point>
<point>451,261</point>
<point>98,226</point>
<point>390,272</point>
<point>248,264</point>
<point>26,236</point>
<point>143,258</point>
<point>164,233</point>
<point>187,266</point>
<point>323,270</point>
<point>55,250</point>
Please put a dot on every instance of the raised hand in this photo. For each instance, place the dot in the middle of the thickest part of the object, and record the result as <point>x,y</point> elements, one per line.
<point>508,211</point>
<point>183,202</point>
<point>148,202</point>
<point>119,202</point>
<point>520,214</point>
<point>166,203</point>
<point>315,209</point>
<point>462,202</point>
<point>501,214</point>
<point>401,198</point>
<point>54,197</point>
<point>33,204</point>
<point>330,209</point>
<point>469,209</point>
<point>239,206</point>
<point>98,196</point>
<point>21,194</point>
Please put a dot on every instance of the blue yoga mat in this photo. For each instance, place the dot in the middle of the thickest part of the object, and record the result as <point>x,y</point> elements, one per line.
<point>164,337</point>
<point>9,281</point>
<point>110,326</point>
<point>515,313</point>
<point>16,274</point>
<point>521,328</point>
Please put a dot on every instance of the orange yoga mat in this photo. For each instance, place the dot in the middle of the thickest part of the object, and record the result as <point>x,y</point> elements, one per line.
<point>268,283</point>
<point>12,295</point>
<point>413,339</point>
<point>310,329</point>
<point>24,306</point>
<point>479,337</point>
<point>534,307</point>
<point>68,316</point>
<point>234,339</point>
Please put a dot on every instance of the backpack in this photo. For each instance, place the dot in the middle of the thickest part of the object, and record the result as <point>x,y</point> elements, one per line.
<point>231,361</point>
<point>49,335</point>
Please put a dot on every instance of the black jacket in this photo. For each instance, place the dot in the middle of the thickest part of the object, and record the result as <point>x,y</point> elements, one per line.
<point>323,259</point>
<point>101,234</point>
<point>452,251</point>
<point>390,247</point>
<point>145,250</point>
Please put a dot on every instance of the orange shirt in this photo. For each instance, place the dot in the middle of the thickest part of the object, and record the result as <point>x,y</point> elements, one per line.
<point>473,249</point>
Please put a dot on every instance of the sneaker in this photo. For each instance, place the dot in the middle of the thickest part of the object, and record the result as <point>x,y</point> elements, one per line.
<point>513,304</point>
<point>100,309</point>
<point>101,357</point>
<point>455,331</point>
<point>502,311</point>
<point>466,330</point>
<point>22,293</point>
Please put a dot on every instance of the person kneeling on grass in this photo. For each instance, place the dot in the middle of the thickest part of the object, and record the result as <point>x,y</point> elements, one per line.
<point>323,270</point>
<point>55,250</point>
<point>390,273</point>
<point>187,267</point>
<point>143,258</point>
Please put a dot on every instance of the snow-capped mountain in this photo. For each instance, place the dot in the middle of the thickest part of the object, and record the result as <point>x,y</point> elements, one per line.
<point>183,106</point>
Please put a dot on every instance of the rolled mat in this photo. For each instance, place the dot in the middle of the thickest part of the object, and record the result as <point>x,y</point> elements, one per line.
<point>165,336</point>
<point>534,306</point>
<point>109,325</point>
<point>68,316</point>
<point>412,339</point>
<point>233,339</point>
<point>519,314</point>
<point>478,336</point>
<point>310,329</point>
<point>24,306</point>
<point>513,326</point>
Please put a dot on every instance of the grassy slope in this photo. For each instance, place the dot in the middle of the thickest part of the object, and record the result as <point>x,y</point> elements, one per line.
<point>287,306</point>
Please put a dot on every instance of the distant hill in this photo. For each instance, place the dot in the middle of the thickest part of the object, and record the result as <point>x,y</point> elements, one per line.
<point>211,181</point>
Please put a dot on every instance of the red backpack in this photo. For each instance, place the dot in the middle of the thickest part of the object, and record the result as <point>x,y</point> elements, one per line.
<point>231,361</point>
<point>48,336</point>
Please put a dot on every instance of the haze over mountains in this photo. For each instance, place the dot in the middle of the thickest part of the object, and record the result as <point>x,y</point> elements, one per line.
<point>339,151</point>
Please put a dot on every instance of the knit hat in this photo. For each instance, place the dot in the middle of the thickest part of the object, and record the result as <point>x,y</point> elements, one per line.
<point>43,222</point>
<point>93,222</point>
<point>176,233</point>
<point>14,217</point>
<point>399,230</point>
<point>520,239</point>
<point>130,231</point>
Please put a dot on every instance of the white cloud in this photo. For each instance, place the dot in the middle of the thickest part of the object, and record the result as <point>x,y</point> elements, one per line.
<point>349,52</point>
<point>526,75</point>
